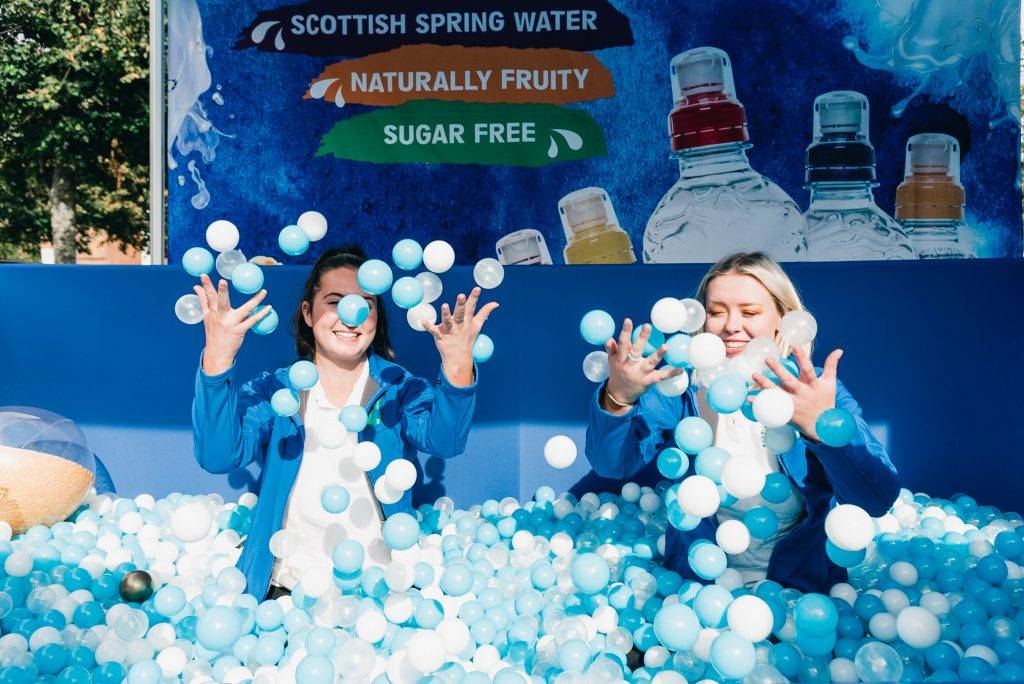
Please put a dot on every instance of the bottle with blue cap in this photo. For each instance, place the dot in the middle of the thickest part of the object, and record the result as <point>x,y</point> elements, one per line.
<point>843,221</point>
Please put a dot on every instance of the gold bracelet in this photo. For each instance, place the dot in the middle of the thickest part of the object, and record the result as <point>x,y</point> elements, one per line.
<point>615,401</point>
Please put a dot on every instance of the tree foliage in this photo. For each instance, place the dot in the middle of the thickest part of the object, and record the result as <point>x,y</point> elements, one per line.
<point>74,96</point>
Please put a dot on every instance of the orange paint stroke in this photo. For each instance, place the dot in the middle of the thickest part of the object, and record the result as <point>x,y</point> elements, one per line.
<point>467,74</point>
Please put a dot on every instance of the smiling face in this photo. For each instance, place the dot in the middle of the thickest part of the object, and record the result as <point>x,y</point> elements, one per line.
<point>740,308</point>
<point>338,342</point>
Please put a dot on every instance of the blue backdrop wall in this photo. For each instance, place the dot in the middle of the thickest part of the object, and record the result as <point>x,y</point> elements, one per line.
<point>931,354</point>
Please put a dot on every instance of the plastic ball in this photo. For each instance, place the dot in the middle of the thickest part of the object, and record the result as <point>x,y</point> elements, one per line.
<point>917,627</point>
<point>695,315</point>
<point>849,527</point>
<point>672,463</point>
<point>743,477</point>
<point>780,439</point>
<point>676,626</point>
<point>366,456</point>
<point>293,241</point>
<point>431,284</point>
<point>407,254</point>
<point>191,522</point>
<point>815,615</point>
<point>353,310</point>
<point>693,435</point>
<point>313,224</point>
<point>759,350</point>
<point>285,402</point>
<point>427,651</point>
<point>878,662</point>
<point>247,278</point>
<point>170,600</point>
<point>773,407</point>
<point>334,499</point>
<point>268,323</point>
<point>668,315</point>
<point>483,348</point>
<point>674,386</point>
<point>218,628</point>
<point>401,531</point>
<point>419,315</point>
<point>798,328</point>
<point>761,521</point>
<point>188,309</point>
<point>302,375</point>
<point>374,276</point>
<point>707,560</point>
<point>136,586</point>
<point>751,618</point>
<point>488,273</point>
<point>705,351</point>
<point>227,262</point>
<point>222,236</point>
<point>400,474</point>
<point>144,672</point>
<point>597,326</point>
<point>197,261</point>
<point>595,366</point>
<point>438,256</point>
<point>348,556</point>
<point>727,393</point>
<point>353,417</point>
<point>560,452</point>
<point>590,573</point>
<point>732,655</point>
<point>407,292</point>
<point>733,537</point>
<point>676,348</point>
<point>835,427</point>
<point>315,669</point>
<point>698,496</point>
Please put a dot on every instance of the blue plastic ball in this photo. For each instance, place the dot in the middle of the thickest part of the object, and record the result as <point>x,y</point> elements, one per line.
<point>779,439</point>
<point>197,261</point>
<point>835,427</point>
<point>590,573</point>
<point>374,276</point>
<point>483,348</point>
<point>777,488</point>
<point>597,326</point>
<point>712,604</point>
<point>761,521</point>
<point>247,278</point>
<point>407,292</point>
<point>353,310</point>
<point>285,402</point>
<point>676,626</point>
<point>169,600</point>
<point>693,435</point>
<point>293,240</point>
<point>655,339</point>
<point>815,615</point>
<point>353,417</point>
<point>707,560</point>
<point>727,393</point>
<point>457,579</point>
<point>315,669</point>
<point>407,254</point>
<point>676,348</point>
<point>218,628</point>
<point>401,531</point>
<point>710,461</point>
<point>268,323</point>
<point>842,557</point>
<point>348,556</point>
<point>573,655</point>
<point>732,655</point>
<point>673,463</point>
<point>302,375</point>
<point>334,499</point>
<point>145,672</point>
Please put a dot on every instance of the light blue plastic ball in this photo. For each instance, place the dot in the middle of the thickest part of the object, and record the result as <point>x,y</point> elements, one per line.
<point>302,375</point>
<point>334,499</point>
<point>693,435</point>
<point>676,350</point>
<point>407,254</point>
<point>407,292</point>
<point>707,560</point>
<point>247,278</point>
<point>268,323</point>
<point>655,339</point>
<point>353,310</point>
<point>676,626</point>
<point>218,628</point>
<point>457,579</point>
<point>710,462</point>
<point>348,556</point>
<point>401,531</point>
<point>285,402</point>
<point>732,655</point>
<point>597,326</point>
<point>197,261</point>
<point>573,655</point>
<point>727,393</point>
<point>374,276</point>
<point>315,669</point>
<point>842,557</point>
<point>293,240</point>
<point>712,605</point>
<point>673,463</point>
<point>483,348</point>
<point>590,573</point>
<point>835,427</point>
<point>145,672</point>
<point>169,600</point>
<point>780,439</point>
<point>815,615</point>
<point>353,417</point>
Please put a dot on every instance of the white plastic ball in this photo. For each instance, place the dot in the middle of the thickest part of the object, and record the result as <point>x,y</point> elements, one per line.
<point>698,496</point>
<point>849,527</point>
<point>798,328</point>
<point>438,256</point>
<point>222,236</point>
<point>455,635</point>
<point>313,224</point>
<point>674,386</point>
<point>668,315</point>
<point>733,536</point>
<point>706,351</point>
<point>371,626</point>
<point>773,407</point>
<point>750,617</point>
<point>918,627</point>
<point>743,477</point>
<point>191,522</point>
<point>366,455</point>
<point>426,651</point>
<point>420,313</point>
<point>560,451</point>
<point>400,474</point>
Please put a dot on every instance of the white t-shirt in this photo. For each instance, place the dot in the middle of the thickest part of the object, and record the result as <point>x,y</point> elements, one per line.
<point>742,437</point>
<point>317,531</point>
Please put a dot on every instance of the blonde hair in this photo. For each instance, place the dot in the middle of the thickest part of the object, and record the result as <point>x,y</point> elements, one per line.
<point>766,271</point>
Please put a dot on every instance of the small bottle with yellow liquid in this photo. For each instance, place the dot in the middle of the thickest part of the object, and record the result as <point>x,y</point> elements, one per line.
<point>930,200</point>
<point>592,231</point>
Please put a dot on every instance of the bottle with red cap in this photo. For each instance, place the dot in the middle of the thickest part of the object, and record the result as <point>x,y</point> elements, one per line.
<point>720,204</point>
<point>930,200</point>
<point>843,221</point>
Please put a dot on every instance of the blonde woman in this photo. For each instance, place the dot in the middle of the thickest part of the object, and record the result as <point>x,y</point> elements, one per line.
<point>746,295</point>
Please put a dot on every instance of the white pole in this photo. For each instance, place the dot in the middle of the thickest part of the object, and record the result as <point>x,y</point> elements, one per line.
<point>157,148</point>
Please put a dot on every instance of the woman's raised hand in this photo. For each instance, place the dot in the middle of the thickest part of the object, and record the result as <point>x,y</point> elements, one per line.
<point>456,334</point>
<point>630,374</point>
<point>225,327</point>
<point>811,393</point>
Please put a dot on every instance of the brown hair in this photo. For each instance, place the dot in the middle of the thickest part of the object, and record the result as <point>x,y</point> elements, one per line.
<point>346,256</point>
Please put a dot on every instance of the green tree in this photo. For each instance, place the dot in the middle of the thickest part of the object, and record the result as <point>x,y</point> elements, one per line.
<point>73,122</point>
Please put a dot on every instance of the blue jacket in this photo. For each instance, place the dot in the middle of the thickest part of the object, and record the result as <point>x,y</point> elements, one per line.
<point>234,425</point>
<point>859,473</point>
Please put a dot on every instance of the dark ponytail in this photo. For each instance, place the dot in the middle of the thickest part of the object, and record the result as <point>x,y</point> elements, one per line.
<point>346,256</point>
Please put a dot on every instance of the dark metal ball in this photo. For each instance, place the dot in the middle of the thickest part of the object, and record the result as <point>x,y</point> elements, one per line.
<point>136,586</point>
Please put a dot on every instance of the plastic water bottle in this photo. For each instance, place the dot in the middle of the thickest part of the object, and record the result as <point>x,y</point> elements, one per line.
<point>592,231</point>
<point>843,221</point>
<point>930,200</point>
<point>720,204</point>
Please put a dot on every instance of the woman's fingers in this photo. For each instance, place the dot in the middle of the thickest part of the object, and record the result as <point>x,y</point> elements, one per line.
<point>256,317</point>
<point>832,364</point>
<point>641,339</point>
<point>446,316</point>
<point>786,379</point>
<point>460,309</point>
<point>223,299</point>
<point>625,336</point>
<point>201,293</point>
<point>484,312</point>
<point>433,329</point>
<point>807,373</point>
<point>652,361</point>
<point>253,302</point>
<point>762,381</point>
<point>210,292</point>
<point>665,373</point>
<point>610,348</point>
<point>474,296</point>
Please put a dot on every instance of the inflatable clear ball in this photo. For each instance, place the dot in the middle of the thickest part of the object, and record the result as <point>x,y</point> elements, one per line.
<point>48,467</point>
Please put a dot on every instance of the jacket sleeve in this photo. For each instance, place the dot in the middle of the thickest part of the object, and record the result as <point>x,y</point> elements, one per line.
<point>436,418</point>
<point>230,425</point>
<point>860,472</point>
<point>619,446</point>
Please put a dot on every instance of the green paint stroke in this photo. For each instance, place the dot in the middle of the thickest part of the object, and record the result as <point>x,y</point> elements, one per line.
<point>467,133</point>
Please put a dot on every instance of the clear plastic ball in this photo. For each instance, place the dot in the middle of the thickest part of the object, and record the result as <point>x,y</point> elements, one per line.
<point>227,261</point>
<point>798,328</point>
<point>488,273</point>
<point>431,284</point>
<point>595,366</point>
<point>188,309</point>
<point>695,315</point>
